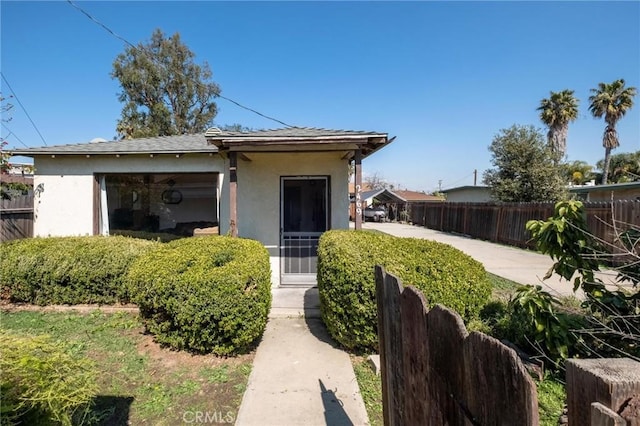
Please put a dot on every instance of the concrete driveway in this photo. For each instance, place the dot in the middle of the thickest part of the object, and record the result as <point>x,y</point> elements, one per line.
<point>521,266</point>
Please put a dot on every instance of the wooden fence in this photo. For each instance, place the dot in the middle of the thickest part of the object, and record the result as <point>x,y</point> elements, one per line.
<point>505,222</point>
<point>435,373</point>
<point>16,218</point>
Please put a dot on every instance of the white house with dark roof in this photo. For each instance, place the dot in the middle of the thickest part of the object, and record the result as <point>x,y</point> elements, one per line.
<point>283,187</point>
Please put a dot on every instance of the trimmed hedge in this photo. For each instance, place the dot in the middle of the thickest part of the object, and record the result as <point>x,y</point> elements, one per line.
<point>204,294</point>
<point>346,280</point>
<point>43,382</point>
<point>162,237</point>
<point>68,270</point>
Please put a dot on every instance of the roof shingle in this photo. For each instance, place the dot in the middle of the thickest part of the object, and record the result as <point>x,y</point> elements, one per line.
<point>193,143</point>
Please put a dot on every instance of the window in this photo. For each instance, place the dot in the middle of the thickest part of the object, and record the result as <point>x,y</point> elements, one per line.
<point>175,203</point>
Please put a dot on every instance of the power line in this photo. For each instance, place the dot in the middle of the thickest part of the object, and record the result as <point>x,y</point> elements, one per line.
<point>14,135</point>
<point>127,42</point>
<point>450,185</point>
<point>23,108</point>
<point>107,29</point>
<point>255,112</point>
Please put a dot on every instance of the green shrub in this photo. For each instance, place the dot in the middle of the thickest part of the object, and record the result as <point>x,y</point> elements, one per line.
<point>204,294</point>
<point>43,382</point>
<point>346,280</point>
<point>68,270</point>
<point>163,237</point>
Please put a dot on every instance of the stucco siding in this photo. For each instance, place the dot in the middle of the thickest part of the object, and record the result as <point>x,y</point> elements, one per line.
<point>63,205</point>
<point>469,195</point>
<point>259,186</point>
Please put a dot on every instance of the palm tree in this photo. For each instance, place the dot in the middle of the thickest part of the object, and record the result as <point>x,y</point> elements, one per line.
<point>557,112</point>
<point>611,101</point>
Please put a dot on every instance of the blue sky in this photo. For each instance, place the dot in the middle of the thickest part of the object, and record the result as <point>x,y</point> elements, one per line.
<point>444,77</point>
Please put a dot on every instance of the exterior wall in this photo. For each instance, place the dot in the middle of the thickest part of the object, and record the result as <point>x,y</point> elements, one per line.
<point>65,185</point>
<point>63,205</point>
<point>259,194</point>
<point>469,195</point>
<point>606,195</point>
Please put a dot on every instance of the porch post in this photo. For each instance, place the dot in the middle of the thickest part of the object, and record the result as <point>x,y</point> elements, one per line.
<point>358,187</point>
<point>233,194</point>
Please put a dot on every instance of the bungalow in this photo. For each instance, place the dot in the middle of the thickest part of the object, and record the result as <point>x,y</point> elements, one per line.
<point>283,187</point>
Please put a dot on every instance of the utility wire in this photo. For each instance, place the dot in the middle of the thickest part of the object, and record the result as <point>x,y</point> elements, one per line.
<point>255,112</point>
<point>23,108</point>
<point>459,180</point>
<point>14,135</point>
<point>127,42</point>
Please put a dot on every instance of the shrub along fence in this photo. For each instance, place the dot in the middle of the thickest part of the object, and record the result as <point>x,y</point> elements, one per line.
<point>16,218</point>
<point>505,222</point>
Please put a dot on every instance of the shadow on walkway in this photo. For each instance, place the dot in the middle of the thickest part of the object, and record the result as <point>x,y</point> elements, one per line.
<point>334,414</point>
<point>314,322</point>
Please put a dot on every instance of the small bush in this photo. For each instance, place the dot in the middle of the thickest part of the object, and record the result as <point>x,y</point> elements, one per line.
<point>43,382</point>
<point>204,294</point>
<point>346,280</point>
<point>68,270</point>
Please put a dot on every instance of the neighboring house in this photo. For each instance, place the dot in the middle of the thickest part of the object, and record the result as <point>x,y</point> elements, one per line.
<point>372,197</point>
<point>18,173</point>
<point>611,192</point>
<point>413,197</point>
<point>282,187</point>
<point>468,194</point>
<point>418,197</point>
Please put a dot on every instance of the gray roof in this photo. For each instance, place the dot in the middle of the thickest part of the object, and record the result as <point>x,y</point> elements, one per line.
<point>291,133</point>
<point>198,142</point>
<point>160,144</point>
<point>608,187</point>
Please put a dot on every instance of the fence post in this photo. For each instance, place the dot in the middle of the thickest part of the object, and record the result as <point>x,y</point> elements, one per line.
<point>612,382</point>
<point>390,346</point>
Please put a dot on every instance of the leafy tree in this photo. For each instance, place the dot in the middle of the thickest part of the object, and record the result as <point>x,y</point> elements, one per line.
<point>525,167</point>
<point>614,323</point>
<point>557,112</point>
<point>611,101</point>
<point>164,91</point>
<point>623,167</point>
<point>577,172</point>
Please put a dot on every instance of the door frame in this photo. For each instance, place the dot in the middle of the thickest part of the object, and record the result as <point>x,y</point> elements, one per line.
<point>301,279</point>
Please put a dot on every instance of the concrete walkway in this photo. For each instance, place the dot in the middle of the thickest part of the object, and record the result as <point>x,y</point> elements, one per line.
<point>299,377</point>
<point>521,266</point>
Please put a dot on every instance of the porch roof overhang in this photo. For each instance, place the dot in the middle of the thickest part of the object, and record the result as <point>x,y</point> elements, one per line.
<point>298,139</point>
